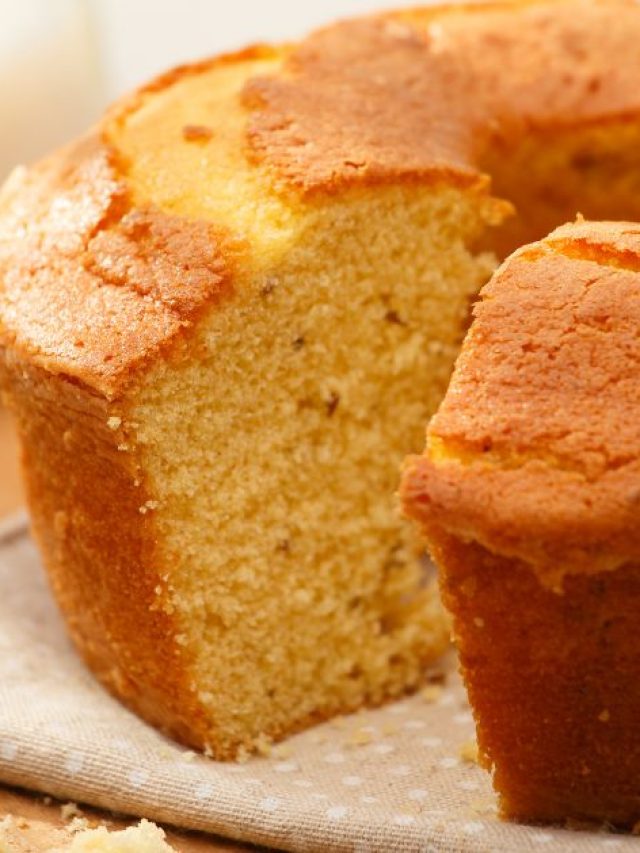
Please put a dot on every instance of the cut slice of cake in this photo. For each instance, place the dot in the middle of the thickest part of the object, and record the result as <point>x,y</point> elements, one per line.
<point>528,496</point>
<point>215,384</point>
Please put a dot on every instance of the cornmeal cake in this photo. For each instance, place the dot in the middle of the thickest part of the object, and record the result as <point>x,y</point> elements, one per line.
<point>227,312</point>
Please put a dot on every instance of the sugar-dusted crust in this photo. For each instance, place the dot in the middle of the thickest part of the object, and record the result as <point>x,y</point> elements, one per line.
<point>91,286</point>
<point>420,95</point>
<point>540,426</point>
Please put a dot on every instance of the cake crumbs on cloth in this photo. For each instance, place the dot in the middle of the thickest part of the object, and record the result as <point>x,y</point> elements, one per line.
<point>431,693</point>
<point>469,752</point>
<point>70,810</point>
<point>360,737</point>
<point>78,824</point>
<point>264,745</point>
<point>146,837</point>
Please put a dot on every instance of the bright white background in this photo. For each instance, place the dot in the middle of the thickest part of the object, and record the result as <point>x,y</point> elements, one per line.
<point>62,61</point>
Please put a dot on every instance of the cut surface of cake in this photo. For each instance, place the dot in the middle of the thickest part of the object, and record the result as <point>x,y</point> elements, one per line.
<point>528,496</point>
<point>228,311</point>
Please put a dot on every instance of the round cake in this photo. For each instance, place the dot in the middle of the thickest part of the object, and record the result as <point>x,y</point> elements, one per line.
<point>228,311</point>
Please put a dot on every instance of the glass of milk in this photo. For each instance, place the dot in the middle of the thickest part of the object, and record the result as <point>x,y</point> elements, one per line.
<point>50,81</point>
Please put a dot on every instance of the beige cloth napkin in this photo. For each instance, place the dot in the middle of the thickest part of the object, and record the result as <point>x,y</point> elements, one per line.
<point>392,779</point>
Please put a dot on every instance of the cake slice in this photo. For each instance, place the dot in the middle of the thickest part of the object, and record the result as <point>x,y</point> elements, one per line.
<point>528,495</point>
<point>216,382</point>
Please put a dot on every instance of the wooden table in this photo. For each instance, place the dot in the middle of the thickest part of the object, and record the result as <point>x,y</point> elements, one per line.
<point>38,824</point>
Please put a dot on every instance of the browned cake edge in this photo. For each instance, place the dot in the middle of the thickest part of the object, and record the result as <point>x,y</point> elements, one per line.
<point>527,496</point>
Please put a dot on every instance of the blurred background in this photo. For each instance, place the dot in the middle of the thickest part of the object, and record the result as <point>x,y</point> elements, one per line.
<point>62,61</point>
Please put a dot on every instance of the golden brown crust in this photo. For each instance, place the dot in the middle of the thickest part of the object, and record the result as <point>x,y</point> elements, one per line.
<point>414,95</point>
<point>615,244</point>
<point>327,122</point>
<point>540,422</point>
<point>553,681</point>
<point>92,287</point>
<point>90,515</point>
<point>419,95</point>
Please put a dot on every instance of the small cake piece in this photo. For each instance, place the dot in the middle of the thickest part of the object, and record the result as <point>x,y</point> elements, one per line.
<point>18,835</point>
<point>528,495</point>
<point>146,837</point>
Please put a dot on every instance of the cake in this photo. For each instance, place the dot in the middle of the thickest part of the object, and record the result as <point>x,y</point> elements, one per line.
<point>146,837</point>
<point>227,312</point>
<point>528,495</point>
<point>18,835</point>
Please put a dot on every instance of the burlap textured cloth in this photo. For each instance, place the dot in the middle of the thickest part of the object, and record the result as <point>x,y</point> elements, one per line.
<point>394,779</point>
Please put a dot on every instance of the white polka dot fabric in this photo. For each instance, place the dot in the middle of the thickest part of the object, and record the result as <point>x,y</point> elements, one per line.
<point>393,779</point>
